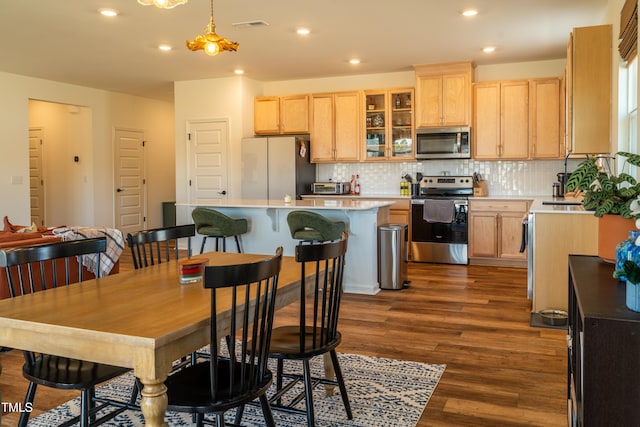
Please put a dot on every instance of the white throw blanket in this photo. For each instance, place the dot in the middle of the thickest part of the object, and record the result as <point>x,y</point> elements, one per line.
<point>115,246</point>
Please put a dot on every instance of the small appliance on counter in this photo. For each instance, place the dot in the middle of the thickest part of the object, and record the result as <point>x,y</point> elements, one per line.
<point>331,187</point>
<point>561,189</point>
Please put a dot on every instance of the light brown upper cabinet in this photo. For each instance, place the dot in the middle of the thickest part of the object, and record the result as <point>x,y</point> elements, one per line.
<point>501,120</point>
<point>589,64</point>
<point>335,126</point>
<point>546,118</point>
<point>443,94</point>
<point>388,125</point>
<point>281,114</point>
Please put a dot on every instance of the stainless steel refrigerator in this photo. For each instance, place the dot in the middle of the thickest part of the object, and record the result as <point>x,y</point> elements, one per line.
<point>273,167</point>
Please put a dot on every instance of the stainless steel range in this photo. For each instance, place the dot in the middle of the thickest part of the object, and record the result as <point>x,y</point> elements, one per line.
<point>439,227</point>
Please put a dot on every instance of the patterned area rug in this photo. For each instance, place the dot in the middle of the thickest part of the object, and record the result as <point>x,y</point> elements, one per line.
<point>382,392</point>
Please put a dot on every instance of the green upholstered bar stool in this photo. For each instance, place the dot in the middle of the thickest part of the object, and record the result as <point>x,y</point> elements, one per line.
<point>308,226</point>
<point>211,223</point>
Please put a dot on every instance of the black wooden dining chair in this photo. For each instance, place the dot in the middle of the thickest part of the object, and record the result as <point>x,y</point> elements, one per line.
<point>317,331</point>
<point>240,376</point>
<point>158,245</point>
<point>39,268</point>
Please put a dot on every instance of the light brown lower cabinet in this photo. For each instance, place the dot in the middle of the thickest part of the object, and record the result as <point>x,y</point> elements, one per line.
<point>495,232</point>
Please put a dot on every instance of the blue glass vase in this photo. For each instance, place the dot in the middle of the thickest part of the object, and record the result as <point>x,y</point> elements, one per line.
<point>627,250</point>
<point>633,296</point>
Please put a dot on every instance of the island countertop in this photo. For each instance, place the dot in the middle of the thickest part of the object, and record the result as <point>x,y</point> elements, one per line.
<point>546,205</point>
<point>342,204</point>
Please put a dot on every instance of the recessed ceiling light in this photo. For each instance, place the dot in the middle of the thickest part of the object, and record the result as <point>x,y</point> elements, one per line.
<point>108,12</point>
<point>303,31</point>
<point>354,61</point>
<point>488,49</point>
<point>238,71</point>
<point>469,12</point>
<point>164,47</point>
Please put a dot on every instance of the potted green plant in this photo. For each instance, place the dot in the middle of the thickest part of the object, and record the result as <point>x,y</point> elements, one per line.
<point>609,197</point>
<point>605,193</point>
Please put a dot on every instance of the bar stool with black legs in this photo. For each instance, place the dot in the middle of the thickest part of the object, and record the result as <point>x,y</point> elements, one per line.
<point>308,226</point>
<point>211,223</point>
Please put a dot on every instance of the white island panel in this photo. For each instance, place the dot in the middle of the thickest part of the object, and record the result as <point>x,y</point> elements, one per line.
<point>268,229</point>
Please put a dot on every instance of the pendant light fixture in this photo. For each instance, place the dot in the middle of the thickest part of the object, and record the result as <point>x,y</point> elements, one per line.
<point>211,43</point>
<point>162,4</point>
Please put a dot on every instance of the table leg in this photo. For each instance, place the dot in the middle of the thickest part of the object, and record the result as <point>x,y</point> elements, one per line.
<point>154,402</point>
<point>329,373</point>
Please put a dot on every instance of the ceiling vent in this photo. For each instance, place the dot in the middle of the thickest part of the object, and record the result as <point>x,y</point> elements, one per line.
<point>250,24</point>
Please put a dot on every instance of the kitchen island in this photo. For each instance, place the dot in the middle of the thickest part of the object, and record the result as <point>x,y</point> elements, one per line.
<point>268,229</point>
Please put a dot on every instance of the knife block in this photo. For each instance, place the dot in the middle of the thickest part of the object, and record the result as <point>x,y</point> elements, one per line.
<point>480,189</point>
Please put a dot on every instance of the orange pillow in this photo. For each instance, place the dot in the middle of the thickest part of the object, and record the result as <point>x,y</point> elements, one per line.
<point>14,228</point>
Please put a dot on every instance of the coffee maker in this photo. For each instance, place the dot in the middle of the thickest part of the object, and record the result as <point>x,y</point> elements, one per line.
<point>563,177</point>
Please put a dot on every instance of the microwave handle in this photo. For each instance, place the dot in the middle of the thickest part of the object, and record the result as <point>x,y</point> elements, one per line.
<point>458,141</point>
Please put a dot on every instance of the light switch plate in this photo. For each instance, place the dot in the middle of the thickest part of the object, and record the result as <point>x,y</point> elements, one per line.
<point>16,180</point>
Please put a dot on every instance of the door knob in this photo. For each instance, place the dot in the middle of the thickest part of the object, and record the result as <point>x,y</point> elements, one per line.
<point>119,190</point>
<point>223,192</point>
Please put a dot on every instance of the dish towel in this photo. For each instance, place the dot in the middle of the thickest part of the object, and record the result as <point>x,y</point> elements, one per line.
<point>115,246</point>
<point>439,210</point>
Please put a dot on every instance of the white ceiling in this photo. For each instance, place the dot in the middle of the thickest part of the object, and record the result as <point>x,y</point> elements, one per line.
<point>69,41</point>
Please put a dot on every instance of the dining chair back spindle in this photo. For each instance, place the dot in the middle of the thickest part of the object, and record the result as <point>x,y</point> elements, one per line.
<point>158,245</point>
<point>40,268</point>
<point>317,331</point>
<point>239,376</point>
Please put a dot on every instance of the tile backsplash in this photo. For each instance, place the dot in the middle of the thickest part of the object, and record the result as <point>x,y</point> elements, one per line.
<point>504,177</point>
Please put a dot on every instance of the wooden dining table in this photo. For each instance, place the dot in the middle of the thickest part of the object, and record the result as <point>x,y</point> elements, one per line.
<point>142,319</point>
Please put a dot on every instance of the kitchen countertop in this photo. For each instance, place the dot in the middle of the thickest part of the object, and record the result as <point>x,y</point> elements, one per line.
<point>353,196</point>
<point>345,204</point>
<point>538,207</point>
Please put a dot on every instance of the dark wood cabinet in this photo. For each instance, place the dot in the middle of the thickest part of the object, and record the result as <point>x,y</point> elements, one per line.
<point>603,348</point>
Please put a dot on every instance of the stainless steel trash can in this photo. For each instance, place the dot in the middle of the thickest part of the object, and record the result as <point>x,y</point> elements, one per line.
<point>392,256</point>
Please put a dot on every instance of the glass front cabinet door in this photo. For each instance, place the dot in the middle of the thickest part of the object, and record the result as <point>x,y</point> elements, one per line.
<point>389,124</point>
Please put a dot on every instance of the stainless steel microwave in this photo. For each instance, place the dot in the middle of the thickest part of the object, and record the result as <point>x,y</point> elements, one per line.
<point>443,143</point>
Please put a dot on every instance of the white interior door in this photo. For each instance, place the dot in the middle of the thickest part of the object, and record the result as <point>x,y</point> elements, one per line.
<point>208,145</point>
<point>129,181</point>
<point>36,175</point>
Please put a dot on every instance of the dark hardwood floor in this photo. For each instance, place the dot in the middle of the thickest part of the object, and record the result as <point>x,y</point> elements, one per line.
<point>474,319</point>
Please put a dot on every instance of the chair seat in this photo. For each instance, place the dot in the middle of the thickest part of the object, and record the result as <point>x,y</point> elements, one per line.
<point>311,226</point>
<point>285,343</point>
<point>70,374</point>
<point>235,227</point>
<point>188,390</point>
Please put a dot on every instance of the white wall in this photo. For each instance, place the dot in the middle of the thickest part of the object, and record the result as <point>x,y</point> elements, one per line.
<point>339,84</point>
<point>66,134</point>
<point>109,110</point>
<point>228,98</point>
<point>521,70</point>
